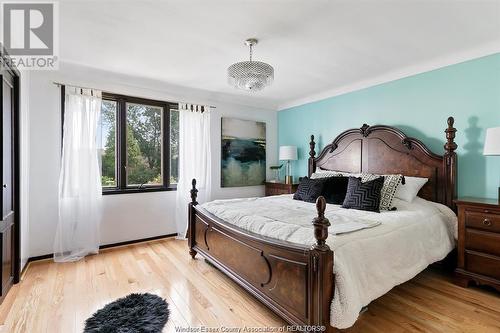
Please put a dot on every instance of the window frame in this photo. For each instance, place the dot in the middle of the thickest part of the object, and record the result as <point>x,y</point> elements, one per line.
<point>121,144</point>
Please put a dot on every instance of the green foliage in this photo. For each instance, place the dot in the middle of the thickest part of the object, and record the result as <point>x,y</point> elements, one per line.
<point>108,181</point>
<point>108,114</point>
<point>139,170</point>
<point>145,124</point>
<point>108,158</point>
<point>174,146</point>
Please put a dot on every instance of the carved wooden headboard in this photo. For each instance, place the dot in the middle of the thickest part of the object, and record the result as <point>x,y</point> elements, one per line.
<point>387,150</point>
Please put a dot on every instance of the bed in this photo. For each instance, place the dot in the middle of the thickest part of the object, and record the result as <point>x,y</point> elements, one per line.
<point>292,269</point>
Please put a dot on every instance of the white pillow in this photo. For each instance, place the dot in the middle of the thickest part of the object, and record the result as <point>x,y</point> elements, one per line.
<point>409,190</point>
<point>320,173</point>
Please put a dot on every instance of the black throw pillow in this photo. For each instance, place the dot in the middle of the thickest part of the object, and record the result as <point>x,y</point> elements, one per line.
<point>363,196</point>
<point>309,189</point>
<point>335,189</point>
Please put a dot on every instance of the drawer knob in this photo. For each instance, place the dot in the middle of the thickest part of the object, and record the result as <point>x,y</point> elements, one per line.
<point>487,222</point>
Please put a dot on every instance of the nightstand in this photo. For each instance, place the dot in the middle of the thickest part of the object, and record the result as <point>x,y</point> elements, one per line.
<point>280,188</point>
<point>478,242</point>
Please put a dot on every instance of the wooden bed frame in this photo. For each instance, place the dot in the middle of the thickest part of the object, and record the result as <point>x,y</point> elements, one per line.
<point>296,281</point>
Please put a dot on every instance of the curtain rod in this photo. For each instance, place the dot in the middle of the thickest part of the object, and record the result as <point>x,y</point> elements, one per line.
<point>78,86</point>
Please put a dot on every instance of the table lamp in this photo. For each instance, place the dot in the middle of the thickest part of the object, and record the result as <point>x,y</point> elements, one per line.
<point>492,145</point>
<point>288,153</point>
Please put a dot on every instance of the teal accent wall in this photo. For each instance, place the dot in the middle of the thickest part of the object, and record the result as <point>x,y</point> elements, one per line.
<point>419,105</point>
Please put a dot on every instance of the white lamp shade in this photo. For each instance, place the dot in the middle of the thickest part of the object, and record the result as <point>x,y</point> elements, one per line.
<point>288,153</point>
<point>492,141</point>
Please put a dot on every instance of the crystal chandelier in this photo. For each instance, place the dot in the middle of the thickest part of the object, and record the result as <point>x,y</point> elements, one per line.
<point>250,75</point>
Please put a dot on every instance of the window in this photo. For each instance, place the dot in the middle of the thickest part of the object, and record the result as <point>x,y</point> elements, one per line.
<point>138,144</point>
<point>106,138</point>
<point>144,160</point>
<point>174,146</point>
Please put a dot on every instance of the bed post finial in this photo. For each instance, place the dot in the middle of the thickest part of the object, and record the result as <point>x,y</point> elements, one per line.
<point>321,261</point>
<point>450,145</point>
<point>194,192</point>
<point>190,234</point>
<point>312,145</point>
<point>321,224</point>
<point>312,155</point>
<point>450,164</point>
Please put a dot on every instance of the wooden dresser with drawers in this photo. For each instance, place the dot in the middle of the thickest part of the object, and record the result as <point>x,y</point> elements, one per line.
<point>280,188</point>
<point>478,242</point>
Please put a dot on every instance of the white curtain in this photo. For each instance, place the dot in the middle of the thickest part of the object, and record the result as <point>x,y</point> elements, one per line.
<point>80,190</point>
<point>194,160</point>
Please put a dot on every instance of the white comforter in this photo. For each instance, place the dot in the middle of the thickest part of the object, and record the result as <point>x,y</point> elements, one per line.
<point>373,252</point>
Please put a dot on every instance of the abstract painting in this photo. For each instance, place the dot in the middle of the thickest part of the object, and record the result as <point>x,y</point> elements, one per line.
<point>243,152</point>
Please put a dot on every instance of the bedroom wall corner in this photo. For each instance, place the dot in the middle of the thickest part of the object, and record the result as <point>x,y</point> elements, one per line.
<point>419,105</point>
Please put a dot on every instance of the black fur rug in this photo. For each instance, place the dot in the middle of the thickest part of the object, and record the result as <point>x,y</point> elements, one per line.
<point>135,313</point>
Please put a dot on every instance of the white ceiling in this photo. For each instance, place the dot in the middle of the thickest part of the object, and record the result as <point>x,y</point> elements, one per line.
<point>318,48</point>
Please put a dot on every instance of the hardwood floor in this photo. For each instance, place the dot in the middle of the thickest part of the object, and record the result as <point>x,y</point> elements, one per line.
<point>59,297</point>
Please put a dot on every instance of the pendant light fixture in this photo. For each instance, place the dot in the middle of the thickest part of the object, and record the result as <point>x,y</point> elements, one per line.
<point>250,75</point>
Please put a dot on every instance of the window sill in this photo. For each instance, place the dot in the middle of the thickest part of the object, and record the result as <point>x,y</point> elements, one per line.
<point>138,190</point>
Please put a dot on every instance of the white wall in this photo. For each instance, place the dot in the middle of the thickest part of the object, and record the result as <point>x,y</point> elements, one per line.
<point>24,166</point>
<point>126,216</point>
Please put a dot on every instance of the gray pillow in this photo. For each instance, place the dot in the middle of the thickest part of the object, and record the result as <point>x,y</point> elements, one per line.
<point>309,189</point>
<point>363,195</point>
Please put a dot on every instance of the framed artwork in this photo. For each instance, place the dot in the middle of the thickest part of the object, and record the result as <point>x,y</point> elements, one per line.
<point>243,156</point>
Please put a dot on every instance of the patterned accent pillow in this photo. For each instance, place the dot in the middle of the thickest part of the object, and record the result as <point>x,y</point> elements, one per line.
<point>364,195</point>
<point>309,189</point>
<point>391,184</point>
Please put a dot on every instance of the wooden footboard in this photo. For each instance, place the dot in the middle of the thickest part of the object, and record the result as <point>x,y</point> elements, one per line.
<point>294,281</point>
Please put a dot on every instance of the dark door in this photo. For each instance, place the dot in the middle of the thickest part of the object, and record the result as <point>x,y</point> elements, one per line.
<point>9,202</point>
<point>8,213</point>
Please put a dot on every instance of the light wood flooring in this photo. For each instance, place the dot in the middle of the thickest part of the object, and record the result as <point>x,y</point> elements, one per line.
<point>59,297</point>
